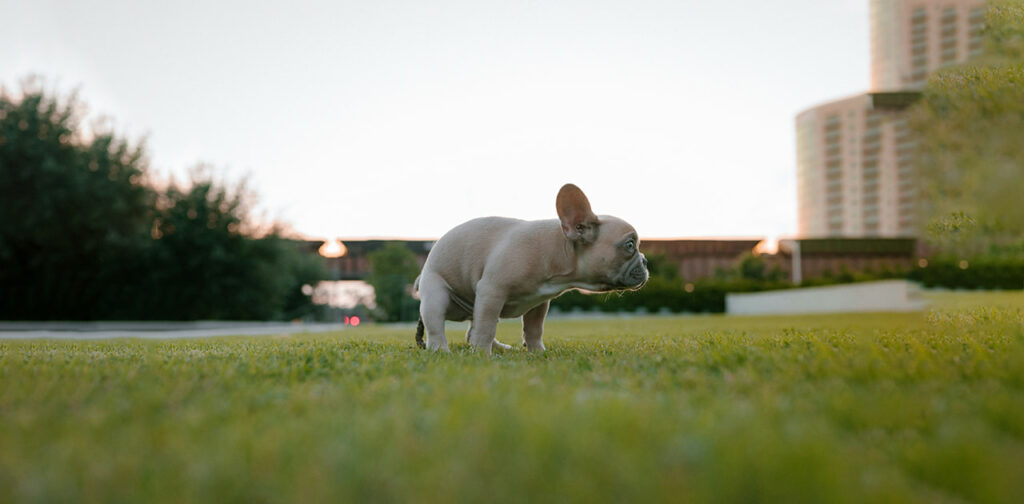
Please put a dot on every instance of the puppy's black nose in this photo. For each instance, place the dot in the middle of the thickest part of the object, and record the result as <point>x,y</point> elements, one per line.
<point>644,260</point>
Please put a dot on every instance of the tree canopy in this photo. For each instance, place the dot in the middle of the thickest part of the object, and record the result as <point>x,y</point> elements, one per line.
<point>85,234</point>
<point>394,269</point>
<point>970,125</point>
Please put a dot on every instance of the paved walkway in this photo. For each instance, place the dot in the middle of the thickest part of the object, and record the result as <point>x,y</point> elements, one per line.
<point>154,330</point>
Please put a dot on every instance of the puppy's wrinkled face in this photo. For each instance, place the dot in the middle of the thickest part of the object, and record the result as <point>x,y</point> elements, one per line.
<point>612,259</point>
<point>607,248</point>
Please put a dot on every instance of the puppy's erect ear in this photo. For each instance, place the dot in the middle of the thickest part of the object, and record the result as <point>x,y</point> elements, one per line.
<point>578,222</point>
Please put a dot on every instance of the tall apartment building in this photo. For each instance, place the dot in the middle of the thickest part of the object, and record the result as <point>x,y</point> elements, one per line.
<point>855,174</point>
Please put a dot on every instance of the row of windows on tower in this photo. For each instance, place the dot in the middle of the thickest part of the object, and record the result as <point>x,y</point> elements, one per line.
<point>948,39</point>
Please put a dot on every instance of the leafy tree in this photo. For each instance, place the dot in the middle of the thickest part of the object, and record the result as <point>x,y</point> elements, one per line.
<point>209,264</point>
<point>752,267</point>
<point>84,235</point>
<point>393,271</point>
<point>659,265</point>
<point>970,123</point>
<point>304,270</point>
<point>75,208</point>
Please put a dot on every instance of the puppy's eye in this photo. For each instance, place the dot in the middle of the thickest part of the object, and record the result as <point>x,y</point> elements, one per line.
<point>630,246</point>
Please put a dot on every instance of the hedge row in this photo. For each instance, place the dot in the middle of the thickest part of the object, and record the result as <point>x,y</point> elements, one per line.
<point>708,296</point>
<point>662,294</point>
<point>976,273</point>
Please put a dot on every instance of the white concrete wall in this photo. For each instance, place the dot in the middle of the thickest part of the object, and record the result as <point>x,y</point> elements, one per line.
<point>886,295</point>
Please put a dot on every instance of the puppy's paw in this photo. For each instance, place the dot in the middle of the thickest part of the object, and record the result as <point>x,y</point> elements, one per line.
<point>497,346</point>
<point>438,347</point>
<point>534,346</point>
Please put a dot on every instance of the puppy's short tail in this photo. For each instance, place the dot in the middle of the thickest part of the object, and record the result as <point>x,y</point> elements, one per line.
<point>419,334</point>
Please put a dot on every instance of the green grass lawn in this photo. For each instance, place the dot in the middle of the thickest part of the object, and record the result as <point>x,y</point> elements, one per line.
<point>920,407</point>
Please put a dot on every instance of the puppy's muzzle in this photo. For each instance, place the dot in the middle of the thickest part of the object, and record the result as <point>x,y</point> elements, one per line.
<point>636,274</point>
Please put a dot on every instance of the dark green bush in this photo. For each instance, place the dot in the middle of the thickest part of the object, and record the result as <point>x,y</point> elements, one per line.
<point>977,273</point>
<point>664,295</point>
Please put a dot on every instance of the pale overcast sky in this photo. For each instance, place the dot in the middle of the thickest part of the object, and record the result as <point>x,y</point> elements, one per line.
<point>402,119</point>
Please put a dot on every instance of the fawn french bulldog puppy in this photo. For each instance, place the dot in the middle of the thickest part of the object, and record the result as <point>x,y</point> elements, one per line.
<point>496,267</point>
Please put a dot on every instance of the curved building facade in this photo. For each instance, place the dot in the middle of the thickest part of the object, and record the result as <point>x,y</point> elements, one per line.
<point>854,156</point>
<point>855,169</point>
<point>910,39</point>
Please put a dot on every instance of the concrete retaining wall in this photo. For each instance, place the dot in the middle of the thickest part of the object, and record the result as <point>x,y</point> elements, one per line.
<point>882,296</point>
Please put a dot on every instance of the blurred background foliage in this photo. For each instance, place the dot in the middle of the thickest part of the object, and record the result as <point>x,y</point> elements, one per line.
<point>970,125</point>
<point>393,271</point>
<point>87,234</point>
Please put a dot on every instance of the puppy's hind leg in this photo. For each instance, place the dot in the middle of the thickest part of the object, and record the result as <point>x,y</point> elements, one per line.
<point>533,327</point>
<point>433,305</point>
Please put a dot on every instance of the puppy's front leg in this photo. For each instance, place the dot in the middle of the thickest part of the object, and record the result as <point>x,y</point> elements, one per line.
<point>533,326</point>
<point>486,310</point>
<point>497,346</point>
